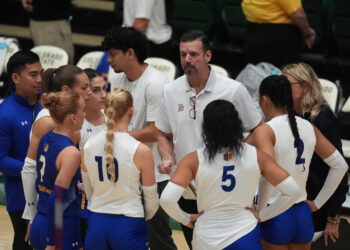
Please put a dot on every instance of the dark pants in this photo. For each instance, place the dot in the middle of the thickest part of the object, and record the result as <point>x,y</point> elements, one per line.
<point>159,231</point>
<point>20,230</point>
<point>189,206</point>
<point>278,44</point>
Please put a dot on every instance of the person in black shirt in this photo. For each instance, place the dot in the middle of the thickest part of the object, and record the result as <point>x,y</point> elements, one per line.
<point>310,104</point>
<point>50,23</point>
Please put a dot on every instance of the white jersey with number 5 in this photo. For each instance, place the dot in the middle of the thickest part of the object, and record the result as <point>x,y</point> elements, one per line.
<point>124,195</point>
<point>225,187</point>
<point>286,152</point>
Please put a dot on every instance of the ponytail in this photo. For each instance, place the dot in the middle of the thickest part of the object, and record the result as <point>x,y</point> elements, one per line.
<point>278,89</point>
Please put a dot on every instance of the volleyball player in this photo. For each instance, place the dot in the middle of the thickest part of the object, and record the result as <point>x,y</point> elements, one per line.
<point>291,141</point>
<point>95,119</point>
<point>226,174</point>
<point>94,122</point>
<point>65,78</point>
<point>113,163</point>
<point>57,164</point>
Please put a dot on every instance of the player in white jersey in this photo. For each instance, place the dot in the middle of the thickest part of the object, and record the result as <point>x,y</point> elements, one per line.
<point>95,119</point>
<point>64,78</point>
<point>226,174</point>
<point>94,122</point>
<point>291,141</point>
<point>115,166</point>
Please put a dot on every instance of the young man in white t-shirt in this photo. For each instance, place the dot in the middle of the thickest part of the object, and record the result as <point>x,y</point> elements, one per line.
<point>128,48</point>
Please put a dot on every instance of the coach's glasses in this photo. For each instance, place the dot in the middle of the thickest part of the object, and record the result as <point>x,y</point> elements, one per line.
<point>192,111</point>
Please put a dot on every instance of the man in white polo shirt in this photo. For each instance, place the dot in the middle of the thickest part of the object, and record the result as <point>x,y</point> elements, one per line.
<point>180,115</point>
<point>149,17</point>
<point>128,48</point>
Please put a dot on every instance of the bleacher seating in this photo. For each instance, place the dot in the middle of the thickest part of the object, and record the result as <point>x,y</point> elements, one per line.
<point>90,60</point>
<point>222,20</point>
<point>51,56</point>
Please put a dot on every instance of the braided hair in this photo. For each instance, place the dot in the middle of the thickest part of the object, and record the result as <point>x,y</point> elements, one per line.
<point>117,103</point>
<point>278,89</point>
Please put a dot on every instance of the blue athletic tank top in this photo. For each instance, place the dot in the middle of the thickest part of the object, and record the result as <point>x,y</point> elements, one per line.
<point>51,144</point>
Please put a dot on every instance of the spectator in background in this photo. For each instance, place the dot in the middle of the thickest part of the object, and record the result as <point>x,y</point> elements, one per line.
<point>50,24</point>
<point>275,31</point>
<point>310,104</point>
<point>149,17</point>
<point>17,114</point>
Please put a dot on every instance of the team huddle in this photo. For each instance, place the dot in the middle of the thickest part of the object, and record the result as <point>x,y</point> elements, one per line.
<point>105,170</point>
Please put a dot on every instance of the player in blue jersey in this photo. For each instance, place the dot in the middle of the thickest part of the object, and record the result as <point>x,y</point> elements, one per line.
<point>17,114</point>
<point>64,78</point>
<point>57,176</point>
<point>291,141</point>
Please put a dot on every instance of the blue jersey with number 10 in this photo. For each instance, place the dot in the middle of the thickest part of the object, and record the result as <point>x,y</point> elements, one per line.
<point>50,146</point>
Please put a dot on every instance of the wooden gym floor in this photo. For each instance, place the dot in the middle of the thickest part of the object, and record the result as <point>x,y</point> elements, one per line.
<point>6,233</point>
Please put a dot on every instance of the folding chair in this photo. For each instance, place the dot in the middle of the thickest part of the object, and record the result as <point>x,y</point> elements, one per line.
<point>11,49</point>
<point>51,56</point>
<point>330,93</point>
<point>220,70</point>
<point>90,60</point>
<point>163,65</point>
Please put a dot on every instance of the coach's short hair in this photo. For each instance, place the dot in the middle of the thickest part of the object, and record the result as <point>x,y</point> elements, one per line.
<point>192,35</point>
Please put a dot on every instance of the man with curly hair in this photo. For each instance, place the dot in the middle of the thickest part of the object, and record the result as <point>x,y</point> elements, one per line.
<point>128,48</point>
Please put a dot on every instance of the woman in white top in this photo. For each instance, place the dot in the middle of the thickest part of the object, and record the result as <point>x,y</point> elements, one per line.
<point>226,174</point>
<point>94,122</point>
<point>291,141</point>
<point>95,119</point>
<point>115,166</point>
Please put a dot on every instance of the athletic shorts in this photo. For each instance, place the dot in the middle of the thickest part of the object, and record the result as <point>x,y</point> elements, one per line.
<point>249,241</point>
<point>111,231</point>
<point>71,232</point>
<point>294,225</point>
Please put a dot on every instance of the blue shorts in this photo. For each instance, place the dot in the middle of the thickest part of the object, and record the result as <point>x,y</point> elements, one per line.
<point>249,241</point>
<point>294,225</point>
<point>110,231</point>
<point>38,232</point>
<point>71,232</point>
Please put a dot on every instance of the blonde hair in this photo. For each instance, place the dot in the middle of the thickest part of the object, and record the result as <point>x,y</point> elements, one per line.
<point>117,103</point>
<point>313,99</point>
<point>61,104</point>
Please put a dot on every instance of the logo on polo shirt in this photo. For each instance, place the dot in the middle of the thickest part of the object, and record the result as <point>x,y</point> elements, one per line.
<point>24,123</point>
<point>180,107</point>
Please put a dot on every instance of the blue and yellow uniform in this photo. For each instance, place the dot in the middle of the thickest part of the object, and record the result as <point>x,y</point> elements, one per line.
<point>50,146</point>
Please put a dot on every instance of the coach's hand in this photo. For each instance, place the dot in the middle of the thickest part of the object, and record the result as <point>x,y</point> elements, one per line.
<point>165,166</point>
<point>26,238</point>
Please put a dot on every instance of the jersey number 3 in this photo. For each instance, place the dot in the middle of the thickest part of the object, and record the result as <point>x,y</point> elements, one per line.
<point>98,159</point>
<point>226,176</point>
